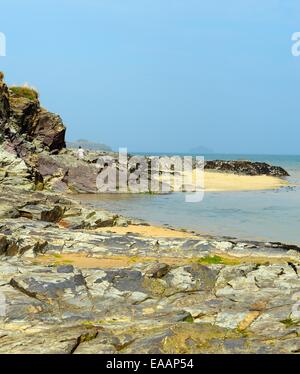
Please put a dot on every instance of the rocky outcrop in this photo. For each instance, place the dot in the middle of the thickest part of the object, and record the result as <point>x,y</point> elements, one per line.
<point>26,130</point>
<point>14,170</point>
<point>66,173</point>
<point>32,147</point>
<point>246,167</point>
<point>24,121</point>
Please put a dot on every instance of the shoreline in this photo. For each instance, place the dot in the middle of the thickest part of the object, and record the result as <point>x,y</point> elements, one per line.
<point>141,228</point>
<point>217,182</point>
<point>220,182</point>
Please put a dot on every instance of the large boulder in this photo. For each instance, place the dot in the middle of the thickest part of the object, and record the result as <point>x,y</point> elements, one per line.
<point>64,172</point>
<point>49,130</point>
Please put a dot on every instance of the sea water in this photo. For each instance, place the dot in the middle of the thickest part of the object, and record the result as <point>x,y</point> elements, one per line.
<point>271,215</point>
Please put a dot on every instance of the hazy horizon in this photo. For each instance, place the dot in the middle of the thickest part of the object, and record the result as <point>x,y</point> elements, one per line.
<point>174,152</point>
<point>187,152</point>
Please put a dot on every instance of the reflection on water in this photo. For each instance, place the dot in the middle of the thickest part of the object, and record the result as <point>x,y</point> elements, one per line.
<point>261,215</point>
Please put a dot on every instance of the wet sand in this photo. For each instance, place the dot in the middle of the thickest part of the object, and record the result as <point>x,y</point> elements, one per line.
<point>215,181</point>
<point>149,231</point>
<point>84,261</point>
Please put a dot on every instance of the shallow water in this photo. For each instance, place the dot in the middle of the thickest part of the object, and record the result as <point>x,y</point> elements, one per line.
<point>258,215</point>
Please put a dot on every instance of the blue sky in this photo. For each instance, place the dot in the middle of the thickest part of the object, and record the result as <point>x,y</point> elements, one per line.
<point>162,75</point>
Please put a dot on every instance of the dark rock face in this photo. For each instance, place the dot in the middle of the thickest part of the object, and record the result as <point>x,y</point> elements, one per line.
<point>26,130</point>
<point>246,167</point>
<point>32,147</point>
<point>67,172</point>
<point>4,103</point>
<point>50,130</point>
<point>23,120</point>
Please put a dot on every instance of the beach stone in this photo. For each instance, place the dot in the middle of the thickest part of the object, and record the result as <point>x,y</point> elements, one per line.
<point>43,213</point>
<point>54,340</point>
<point>157,270</point>
<point>224,246</point>
<point>191,278</point>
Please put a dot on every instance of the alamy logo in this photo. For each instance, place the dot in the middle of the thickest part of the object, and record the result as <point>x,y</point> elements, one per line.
<point>2,45</point>
<point>152,174</point>
<point>296,45</point>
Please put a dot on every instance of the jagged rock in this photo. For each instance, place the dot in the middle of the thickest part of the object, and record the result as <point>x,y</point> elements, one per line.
<point>157,270</point>
<point>14,171</point>
<point>18,246</point>
<point>68,287</point>
<point>53,340</point>
<point>191,278</point>
<point>49,130</point>
<point>4,103</point>
<point>23,112</point>
<point>246,167</point>
<point>76,175</point>
<point>182,338</point>
<point>91,219</point>
<point>27,126</point>
<point>26,129</point>
<point>7,211</point>
<point>43,213</point>
<point>100,219</point>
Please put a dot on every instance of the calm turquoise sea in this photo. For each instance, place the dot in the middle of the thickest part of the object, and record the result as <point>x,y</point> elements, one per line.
<point>260,215</point>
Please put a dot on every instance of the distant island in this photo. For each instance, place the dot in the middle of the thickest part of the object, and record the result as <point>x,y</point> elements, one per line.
<point>88,145</point>
<point>200,149</point>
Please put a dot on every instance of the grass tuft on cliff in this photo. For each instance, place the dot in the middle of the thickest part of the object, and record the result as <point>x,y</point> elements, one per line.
<point>25,92</point>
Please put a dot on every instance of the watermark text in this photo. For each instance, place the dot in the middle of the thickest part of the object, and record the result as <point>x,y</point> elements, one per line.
<point>296,45</point>
<point>2,44</point>
<point>151,174</point>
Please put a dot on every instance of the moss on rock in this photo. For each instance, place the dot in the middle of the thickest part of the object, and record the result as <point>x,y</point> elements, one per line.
<point>24,92</point>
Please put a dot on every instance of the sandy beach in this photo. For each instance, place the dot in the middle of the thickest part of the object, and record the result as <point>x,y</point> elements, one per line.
<point>148,231</point>
<point>216,181</point>
<point>223,181</point>
<point>84,261</point>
